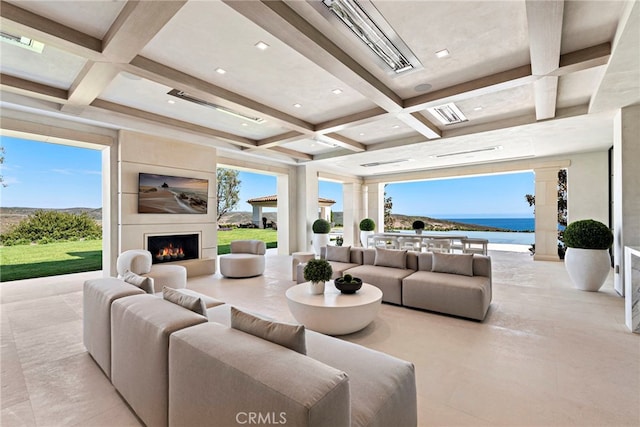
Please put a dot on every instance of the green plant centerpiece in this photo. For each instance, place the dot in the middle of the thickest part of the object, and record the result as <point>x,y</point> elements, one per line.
<point>418,226</point>
<point>587,257</point>
<point>316,272</point>
<point>348,284</point>
<point>321,228</point>
<point>367,226</point>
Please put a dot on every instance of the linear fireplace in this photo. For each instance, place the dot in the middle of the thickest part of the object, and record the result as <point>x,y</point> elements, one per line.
<point>177,247</point>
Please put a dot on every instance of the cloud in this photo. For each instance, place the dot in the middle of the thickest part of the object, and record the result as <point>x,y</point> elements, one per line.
<point>9,180</point>
<point>88,172</point>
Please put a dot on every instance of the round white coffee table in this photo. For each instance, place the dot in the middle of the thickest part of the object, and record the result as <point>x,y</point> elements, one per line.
<point>334,313</point>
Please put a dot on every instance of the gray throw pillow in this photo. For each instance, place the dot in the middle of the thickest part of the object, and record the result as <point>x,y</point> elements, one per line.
<point>142,282</point>
<point>189,302</point>
<point>209,302</point>
<point>453,263</point>
<point>284,334</point>
<point>339,253</point>
<point>391,258</point>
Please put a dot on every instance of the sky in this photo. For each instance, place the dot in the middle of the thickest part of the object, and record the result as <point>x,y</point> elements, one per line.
<point>44,175</point>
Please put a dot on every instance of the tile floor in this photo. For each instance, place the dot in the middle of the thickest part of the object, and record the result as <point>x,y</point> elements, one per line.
<point>547,355</point>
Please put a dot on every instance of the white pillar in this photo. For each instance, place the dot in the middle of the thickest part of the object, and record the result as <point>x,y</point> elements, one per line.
<point>375,205</point>
<point>626,187</point>
<point>286,229</point>
<point>257,216</point>
<point>546,216</point>
<point>353,212</point>
<point>306,205</point>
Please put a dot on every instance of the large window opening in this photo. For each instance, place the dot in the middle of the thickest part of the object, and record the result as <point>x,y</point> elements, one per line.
<point>247,207</point>
<point>492,207</point>
<point>51,209</point>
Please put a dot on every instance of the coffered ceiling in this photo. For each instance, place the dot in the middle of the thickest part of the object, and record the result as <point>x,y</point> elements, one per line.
<point>533,78</point>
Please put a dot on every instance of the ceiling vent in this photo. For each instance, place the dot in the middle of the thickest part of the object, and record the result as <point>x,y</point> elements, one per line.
<point>448,114</point>
<point>364,20</point>
<point>184,95</point>
<point>23,42</point>
<point>390,162</point>
<point>461,153</point>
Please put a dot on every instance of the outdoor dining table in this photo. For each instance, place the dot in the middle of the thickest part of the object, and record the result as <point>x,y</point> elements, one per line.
<point>392,242</point>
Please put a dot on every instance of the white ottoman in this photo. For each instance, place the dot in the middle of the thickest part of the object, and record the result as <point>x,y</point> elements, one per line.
<point>242,265</point>
<point>173,276</point>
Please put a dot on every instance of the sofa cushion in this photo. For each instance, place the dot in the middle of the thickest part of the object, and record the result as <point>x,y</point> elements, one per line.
<point>393,258</point>
<point>190,302</point>
<point>339,253</point>
<point>142,282</point>
<point>452,263</point>
<point>287,335</point>
<point>387,279</point>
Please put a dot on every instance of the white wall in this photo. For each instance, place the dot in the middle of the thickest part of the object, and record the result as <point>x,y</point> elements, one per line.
<point>151,154</point>
<point>588,187</point>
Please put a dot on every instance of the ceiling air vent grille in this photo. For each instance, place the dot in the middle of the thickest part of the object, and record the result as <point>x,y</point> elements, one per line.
<point>448,114</point>
<point>184,95</point>
<point>23,42</point>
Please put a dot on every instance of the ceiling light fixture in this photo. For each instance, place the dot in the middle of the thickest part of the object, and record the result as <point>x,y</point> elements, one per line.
<point>171,101</point>
<point>261,45</point>
<point>478,150</point>
<point>442,53</point>
<point>297,105</point>
<point>325,143</point>
<point>183,95</point>
<point>220,71</point>
<point>390,162</point>
<point>448,114</point>
<point>336,91</point>
<point>362,24</point>
<point>23,42</point>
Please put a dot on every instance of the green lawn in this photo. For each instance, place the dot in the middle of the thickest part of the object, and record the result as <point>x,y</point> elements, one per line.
<point>269,236</point>
<point>29,261</point>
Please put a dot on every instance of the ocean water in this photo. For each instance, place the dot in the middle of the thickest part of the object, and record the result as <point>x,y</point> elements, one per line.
<point>509,224</point>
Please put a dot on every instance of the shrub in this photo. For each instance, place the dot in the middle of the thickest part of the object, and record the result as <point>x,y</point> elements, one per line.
<point>46,226</point>
<point>317,270</point>
<point>367,224</point>
<point>321,226</point>
<point>418,225</point>
<point>588,234</point>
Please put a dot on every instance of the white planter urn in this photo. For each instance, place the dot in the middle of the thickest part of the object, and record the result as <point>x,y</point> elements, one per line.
<point>364,238</point>
<point>316,288</point>
<point>587,268</point>
<point>319,240</point>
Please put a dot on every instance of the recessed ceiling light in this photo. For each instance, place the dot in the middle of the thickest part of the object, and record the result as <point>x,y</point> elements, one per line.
<point>361,133</point>
<point>336,91</point>
<point>396,126</point>
<point>171,101</point>
<point>422,87</point>
<point>244,124</point>
<point>297,105</point>
<point>477,109</point>
<point>261,45</point>
<point>442,53</point>
<point>220,71</point>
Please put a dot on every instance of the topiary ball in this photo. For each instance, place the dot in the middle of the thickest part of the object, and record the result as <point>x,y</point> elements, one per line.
<point>367,224</point>
<point>588,234</point>
<point>347,278</point>
<point>418,225</point>
<point>321,226</point>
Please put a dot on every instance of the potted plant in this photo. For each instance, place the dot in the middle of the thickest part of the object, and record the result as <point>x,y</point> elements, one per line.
<point>316,272</point>
<point>418,226</point>
<point>348,284</point>
<point>587,257</point>
<point>339,241</point>
<point>367,226</point>
<point>321,229</point>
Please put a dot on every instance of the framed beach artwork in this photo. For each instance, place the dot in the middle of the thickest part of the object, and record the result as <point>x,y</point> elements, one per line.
<point>172,194</point>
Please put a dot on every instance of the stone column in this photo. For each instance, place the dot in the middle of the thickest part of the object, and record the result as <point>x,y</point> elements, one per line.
<point>257,216</point>
<point>353,212</point>
<point>375,205</point>
<point>546,217</point>
<point>286,224</point>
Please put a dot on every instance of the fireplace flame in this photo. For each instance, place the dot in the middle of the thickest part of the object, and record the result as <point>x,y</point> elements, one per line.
<point>169,252</point>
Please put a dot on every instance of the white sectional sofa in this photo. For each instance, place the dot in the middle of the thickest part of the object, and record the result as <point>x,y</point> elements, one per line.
<point>175,367</point>
<point>455,284</point>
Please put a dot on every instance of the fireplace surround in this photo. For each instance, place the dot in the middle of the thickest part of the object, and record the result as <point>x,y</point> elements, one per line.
<point>173,247</point>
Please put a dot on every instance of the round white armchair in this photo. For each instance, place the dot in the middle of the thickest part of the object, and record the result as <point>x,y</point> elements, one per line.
<point>139,261</point>
<point>245,260</point>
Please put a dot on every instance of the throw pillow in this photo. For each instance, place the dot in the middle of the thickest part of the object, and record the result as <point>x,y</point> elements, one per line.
<point>189,302</point>
<point>209,302</point>
<point>144,283</point>
<point>453,263</point>
<point>339,253</point>
<point>391,258</point>
<point>286,335</point>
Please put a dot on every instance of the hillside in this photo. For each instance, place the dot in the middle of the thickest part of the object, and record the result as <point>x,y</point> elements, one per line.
<point>12,216</point>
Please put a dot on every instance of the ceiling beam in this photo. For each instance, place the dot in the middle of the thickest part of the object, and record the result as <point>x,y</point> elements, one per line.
<point>583,59</point>
<point>88,85</point>
<point>282,138</point>
<point>351,120</point>
<point>32,89</point>
<point>544,20</point>
<point>292,153</point>
<point>421,124</point>
<point>344,142</point>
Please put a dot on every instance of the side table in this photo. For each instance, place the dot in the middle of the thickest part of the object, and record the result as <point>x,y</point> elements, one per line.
<point>297,258</point>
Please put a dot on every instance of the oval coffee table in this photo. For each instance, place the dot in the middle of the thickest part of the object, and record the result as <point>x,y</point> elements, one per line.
<point>334,313</point>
